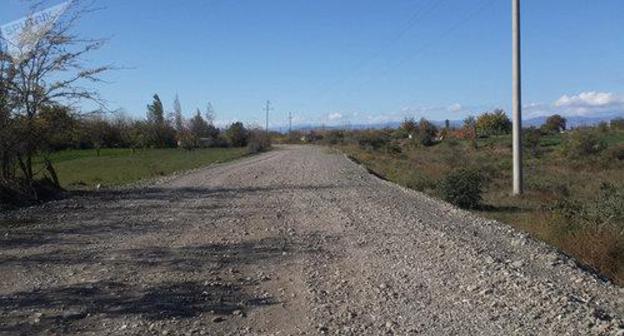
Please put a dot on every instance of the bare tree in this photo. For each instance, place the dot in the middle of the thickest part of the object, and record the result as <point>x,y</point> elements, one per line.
<point>210,113</point>
<point>49,70</point>
<point>178,119</point>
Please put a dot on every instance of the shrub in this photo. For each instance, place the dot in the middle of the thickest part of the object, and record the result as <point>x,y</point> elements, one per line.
<point>617,123</point>
<point>372,140</point>
<point>258,142</point>
<point>583,143</point>
<point>554,124</point>
<point>603,212</point>
<point>416,180</point>
<point>187,140</point>
<point>426,132</point>
<point>593,229</point>
<point>615,153</point>
<point>532,138</point>
<point>408,126</point>
<point>334,137</point>
<point>237,135</point>
<point>493,123</point>
<point>463,187</point>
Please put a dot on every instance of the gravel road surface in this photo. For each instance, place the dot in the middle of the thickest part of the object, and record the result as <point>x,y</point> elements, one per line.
<point>297,241</point>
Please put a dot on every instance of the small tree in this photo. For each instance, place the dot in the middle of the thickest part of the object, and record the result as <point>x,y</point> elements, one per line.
<point>409,126</point>
<point>470,130</point>
<point>156,112</point>
<point>210,113</point>
<point>463,187</point>
<point>426,132</point>
<point>49,70</point>
<point>177,118</point>
<point>237,135</point>
<point>159,133</point>
<point>493,123</point>
<point>554,124</point>
<point>532,138</point>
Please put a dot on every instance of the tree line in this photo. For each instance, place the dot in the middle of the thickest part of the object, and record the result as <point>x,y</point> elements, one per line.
<point>48,76</point>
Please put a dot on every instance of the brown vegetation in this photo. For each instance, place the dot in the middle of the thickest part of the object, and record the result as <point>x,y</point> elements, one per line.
<point>573,181</point>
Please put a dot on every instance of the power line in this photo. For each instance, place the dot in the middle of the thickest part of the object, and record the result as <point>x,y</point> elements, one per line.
<point>421,13</point>
<point>471,15</point>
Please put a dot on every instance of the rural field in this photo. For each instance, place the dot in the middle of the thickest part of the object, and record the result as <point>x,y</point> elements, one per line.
<point>85,169</point>
<point>563,191</point>
<point>242,248</point>
<point>282,168</point>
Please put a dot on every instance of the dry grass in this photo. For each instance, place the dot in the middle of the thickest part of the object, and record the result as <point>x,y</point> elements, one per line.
<point>550,178</point>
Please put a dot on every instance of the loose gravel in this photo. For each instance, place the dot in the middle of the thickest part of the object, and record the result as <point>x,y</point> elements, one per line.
<point>297,241</point>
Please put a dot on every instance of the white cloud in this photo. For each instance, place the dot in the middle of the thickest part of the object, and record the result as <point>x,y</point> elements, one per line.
<point>590,103</point>
<point>334,116</point>
<point>455,108</point>
<point>590,99</point>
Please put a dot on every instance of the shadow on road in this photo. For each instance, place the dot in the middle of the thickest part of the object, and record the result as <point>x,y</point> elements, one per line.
<point>61,307</point>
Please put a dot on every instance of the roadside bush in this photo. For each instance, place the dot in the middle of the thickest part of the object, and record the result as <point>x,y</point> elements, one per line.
<point>583,143</point>
<point>417,181</point>
<point>188,140</point>
<point>258,142</point>
<point>372,140</point>
<point>532,138</point>
<point>426,132</point>
<point>617,124</point>
<point>463,187</point>
<point>593,230</point>
<point>615,153</point>
<point>604,212</point>
<point>237,135</point>
<point>334,137</point>
<point>393,148</point>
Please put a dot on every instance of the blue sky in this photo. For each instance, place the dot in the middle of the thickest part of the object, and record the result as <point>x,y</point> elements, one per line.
<point>356,61</point>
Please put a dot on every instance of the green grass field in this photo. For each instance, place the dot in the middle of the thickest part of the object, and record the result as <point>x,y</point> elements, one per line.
<point>83,169</point>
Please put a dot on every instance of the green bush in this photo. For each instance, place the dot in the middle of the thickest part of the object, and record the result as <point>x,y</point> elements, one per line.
<point>617,123</point>
<point>463,187</point>
<point>372,140</point>
<point>604,212</point>
<point>615,153</point>
<point>583,143</point>
<point>416,180</point>
<point>493,123</point>
<point>259,141</point>
<point>554,124</point>
<point>237,135</point>
<point>426,132</point>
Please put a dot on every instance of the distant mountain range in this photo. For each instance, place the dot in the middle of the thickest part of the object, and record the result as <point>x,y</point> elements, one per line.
<point>572,122</point>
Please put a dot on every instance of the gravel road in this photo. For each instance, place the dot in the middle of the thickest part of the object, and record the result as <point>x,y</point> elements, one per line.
<point>297,241</point>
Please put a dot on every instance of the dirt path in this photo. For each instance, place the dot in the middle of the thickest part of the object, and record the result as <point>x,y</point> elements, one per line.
<point>298,241</point>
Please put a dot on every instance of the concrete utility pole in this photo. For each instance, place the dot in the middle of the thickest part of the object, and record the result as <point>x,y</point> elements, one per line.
<point>267,108</point>
<point>289,122</point>
<point>517,101</point>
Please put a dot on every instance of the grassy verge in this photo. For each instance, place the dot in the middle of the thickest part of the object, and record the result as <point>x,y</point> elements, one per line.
<point>552,180</point>
<point>80,169</point>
